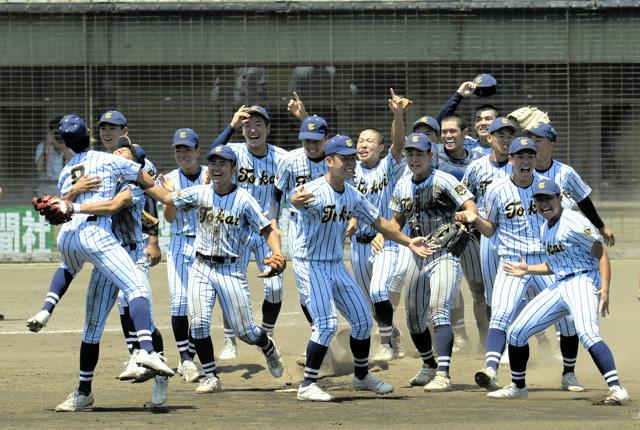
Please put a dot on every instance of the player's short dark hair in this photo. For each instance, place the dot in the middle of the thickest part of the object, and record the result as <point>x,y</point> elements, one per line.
<point>487,106</point>
<point>460,122</point>
<point>79,145</point>
<point>377,132</point>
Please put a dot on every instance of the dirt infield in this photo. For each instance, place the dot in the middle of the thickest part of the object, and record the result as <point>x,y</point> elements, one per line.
<point>39,370</point>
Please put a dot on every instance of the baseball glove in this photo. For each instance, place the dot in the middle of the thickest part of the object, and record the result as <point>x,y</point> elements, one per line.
<point>527,117</point>
<point>54,209</point>
<point>277,263</point>
<point>453,237</point>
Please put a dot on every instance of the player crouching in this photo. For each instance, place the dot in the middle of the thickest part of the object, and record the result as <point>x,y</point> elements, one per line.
<point>576,255</point>
<point>226,213</point>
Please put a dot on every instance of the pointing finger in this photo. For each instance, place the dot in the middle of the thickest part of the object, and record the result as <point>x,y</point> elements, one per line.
<point>393,93</point>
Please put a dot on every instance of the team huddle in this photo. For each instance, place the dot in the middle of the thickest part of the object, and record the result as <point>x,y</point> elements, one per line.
<point>441,205</point>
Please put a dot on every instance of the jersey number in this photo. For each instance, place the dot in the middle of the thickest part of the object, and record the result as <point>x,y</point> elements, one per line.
<point>77,172</point>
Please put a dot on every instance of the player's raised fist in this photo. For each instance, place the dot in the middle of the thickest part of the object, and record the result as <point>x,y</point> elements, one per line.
<point>297,108</point>
<point>466,89</point>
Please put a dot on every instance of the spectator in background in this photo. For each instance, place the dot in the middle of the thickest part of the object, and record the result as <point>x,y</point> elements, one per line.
<point>51,156</point>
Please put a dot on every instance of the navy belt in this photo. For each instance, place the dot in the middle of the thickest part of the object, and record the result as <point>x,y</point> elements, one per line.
<point>130,246</point>
<point>92,218</point>
<point>571,275</point>
<point>216,259</point>
<point>365,239</point>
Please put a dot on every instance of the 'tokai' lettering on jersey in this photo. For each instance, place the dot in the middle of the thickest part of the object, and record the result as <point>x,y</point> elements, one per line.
<point>301,180</point>
<point>516,209</point>
<point>207,215</point>
<point>375,187</point>
<point>248,175</point>
<point>554,249</point>
<point>330,214</point>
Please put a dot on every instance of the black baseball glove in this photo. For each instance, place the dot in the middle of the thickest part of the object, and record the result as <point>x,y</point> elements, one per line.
<point>453,237</point>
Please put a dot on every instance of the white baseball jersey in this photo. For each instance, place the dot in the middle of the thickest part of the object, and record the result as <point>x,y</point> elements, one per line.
<point>512,209</point>
<point>568,244</point>
<point>472,145</point>
<point>225,222</point>
<point>186,221</point>
<point>127,224</point>
<point>257,174</point>
<point>430,203</point>
<point>297,169</point>
<point>573,188</point>
<point>321,227</point>
<point>480,174</point>
<point>453,166</point>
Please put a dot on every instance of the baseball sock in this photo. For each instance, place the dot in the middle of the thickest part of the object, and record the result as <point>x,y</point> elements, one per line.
<point>306,313</point>
<point>384,316</point>
<point>315,355</point>
<point>125,332</point>
<point>444,345</point>
<point>140,310</point>
<point>457,316</point>
<point>156,339</point>
<point>270,312</point>
<point>422,341</point>
<point>180,327</point>
<point>569,349</point>
<point>131,336</point>
<point>496,340</point>
<point>204,348</point>
<point>603,358</point>
<point>89,353</point>
<point>360,350</point>
<point>265,344</point>
<point>192,348</point>
<point>59,283</point>
<point>518,358</point>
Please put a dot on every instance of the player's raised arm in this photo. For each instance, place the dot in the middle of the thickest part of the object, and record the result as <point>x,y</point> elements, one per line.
<point>297,108</point>
<point>238,119</point>
<point>397,104</point>
<point>157,191</point>
<point>589,210</point>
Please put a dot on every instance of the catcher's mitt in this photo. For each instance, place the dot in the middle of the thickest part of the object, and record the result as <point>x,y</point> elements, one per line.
<point>527,117</point>
<point>54,209</point>
<point>277,262</point>
<point>454,237</point>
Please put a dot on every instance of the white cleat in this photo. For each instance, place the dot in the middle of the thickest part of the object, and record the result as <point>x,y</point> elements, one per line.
<point>38,321</point>
<point>190,371</point>
<point>313,393</point>
<point>75,402</point>
<point>441,382</point>
<point>460,345</point>
<point>154,361</point>
<point>397,345</point>
<point>509,392</point>
<point>131,369</point>
<point>371,383</point>
<point>487,378</point>
<point>383,354</point>
<point>274,362</point>
<point>159,392</point>
<point>617,394</point>
<point>570,383</point>
<point>423,377</point>
<point>210,384</point>
<point>229,350</point>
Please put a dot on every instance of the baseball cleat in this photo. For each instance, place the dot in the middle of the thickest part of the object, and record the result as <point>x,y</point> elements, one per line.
<point>441,382</point>
<point>423,377</point>
<point>154,361</point>
<point>313,393</point>
<point>159,392</point>
<point>617,394</point>
<point>274,362</point>
<point>487,378</point>
<point>190,371</point>
<point>383,354</point>
<point>570,383</point>
<point>509,392</point>
<point>131,369</point>
<point>371,383</point>
<point>75,402</point>
<point>210,384</point>
<point>397,345</point>
<point>460,345</point>
<point>229,350</point>
<point>38,321</point>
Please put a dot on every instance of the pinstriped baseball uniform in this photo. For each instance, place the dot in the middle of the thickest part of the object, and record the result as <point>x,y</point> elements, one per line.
<point>325,282</point>
<point>257,176</point>
<point>374,272</point>
<point>574,189</point>
<point>225,223</point>
<point>568,247</point>
<point>181,251</point>
<point>479,175</point>
<point>512,209</point>
<point>472,145</point>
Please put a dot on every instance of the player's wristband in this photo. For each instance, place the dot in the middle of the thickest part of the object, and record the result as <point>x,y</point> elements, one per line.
<point>76,208</point>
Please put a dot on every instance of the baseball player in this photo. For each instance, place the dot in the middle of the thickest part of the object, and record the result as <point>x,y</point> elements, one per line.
<point>425,200</point>
<point>576,255</point>
<point>511,214</point>
<point>256,172</point>
<point>323,208</point>
<point>226,214</point>
<point>90,238</point>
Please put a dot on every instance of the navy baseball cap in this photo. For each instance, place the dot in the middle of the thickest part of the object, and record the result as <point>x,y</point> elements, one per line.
<point>428,121</point>
<point>72,129</point>
<point>259,110</point>
<point>136,150</point>
<point>313,128</point>
<point>486,85</point>
<point>521,144</point>
<point>186,137</point>
<point>500,123</point>
<point>341,145</point>
<point>545,130</point>
<point>418,141</point>
<point>546,187</point>
<point>222,151</point>
<point>113,117</point>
